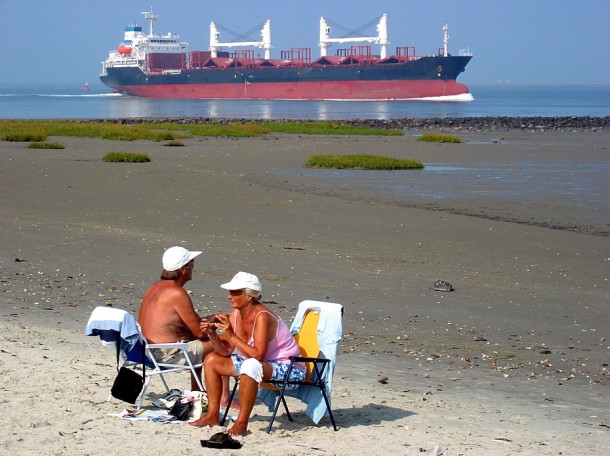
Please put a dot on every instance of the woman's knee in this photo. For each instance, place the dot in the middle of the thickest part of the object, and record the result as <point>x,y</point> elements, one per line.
<point>253,369</point>
<point>214,362</point>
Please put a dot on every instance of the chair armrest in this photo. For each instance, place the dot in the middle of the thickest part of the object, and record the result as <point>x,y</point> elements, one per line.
<point>176,345</point>
<point>305,359</point>
<point>172,346</point>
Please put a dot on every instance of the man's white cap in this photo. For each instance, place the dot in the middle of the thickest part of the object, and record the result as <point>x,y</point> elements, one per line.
<point>243,280</point>
<point>176,257</point>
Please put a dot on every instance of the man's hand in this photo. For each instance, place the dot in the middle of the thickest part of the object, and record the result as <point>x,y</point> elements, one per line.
<point>210,323</point>
<point>207,326</point>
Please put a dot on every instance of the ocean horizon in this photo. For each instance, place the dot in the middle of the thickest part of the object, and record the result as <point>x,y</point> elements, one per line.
<point>73,101</point>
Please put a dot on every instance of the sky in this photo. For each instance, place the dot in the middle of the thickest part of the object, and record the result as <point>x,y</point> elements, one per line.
<point>513,41</point>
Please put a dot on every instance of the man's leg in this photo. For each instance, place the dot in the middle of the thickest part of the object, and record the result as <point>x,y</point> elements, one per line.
<point>226,395</point>
<point>198,351</point>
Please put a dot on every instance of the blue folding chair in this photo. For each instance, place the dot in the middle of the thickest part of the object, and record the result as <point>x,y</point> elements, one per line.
<point>116,326</point>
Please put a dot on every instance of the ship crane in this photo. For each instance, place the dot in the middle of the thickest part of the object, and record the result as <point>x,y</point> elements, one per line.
<point>216,45</point>
<point>382,39</point>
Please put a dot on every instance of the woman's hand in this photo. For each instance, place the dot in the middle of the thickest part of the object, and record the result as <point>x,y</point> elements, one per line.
<point>224,329</point>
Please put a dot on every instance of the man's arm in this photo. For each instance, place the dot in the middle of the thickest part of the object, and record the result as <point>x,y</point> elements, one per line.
<point>185,310</point>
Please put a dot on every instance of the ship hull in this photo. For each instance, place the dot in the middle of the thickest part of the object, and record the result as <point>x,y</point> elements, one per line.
<point>427,77</point>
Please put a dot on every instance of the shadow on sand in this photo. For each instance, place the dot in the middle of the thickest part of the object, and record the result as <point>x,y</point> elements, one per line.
<point>366,415</point>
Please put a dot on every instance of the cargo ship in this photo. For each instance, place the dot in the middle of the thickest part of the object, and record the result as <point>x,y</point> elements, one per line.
<point>150,65</point>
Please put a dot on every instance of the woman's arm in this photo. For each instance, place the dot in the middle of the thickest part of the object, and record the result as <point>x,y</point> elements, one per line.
<point>209,326</point>
<point>262,330</point>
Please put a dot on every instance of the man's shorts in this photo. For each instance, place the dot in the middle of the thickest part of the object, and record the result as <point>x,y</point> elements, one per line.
<point>280,369</point>
<point>176,356</point>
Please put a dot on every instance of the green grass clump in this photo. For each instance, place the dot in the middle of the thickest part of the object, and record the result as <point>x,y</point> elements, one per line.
<point>326,127</point>
<point>174,143</point>
<point>45,145</point>
<point>238,130</point>
<point>25,136</point>
<point>39,130</point>
<point>27,130</point>
<point>21,131</point>
<point>439,138</point>
<point>125,157</point>
<point>361,162</point>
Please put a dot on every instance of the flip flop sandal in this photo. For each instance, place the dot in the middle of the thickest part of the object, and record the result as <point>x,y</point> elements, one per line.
<point>221,440</point>
<point>172,394</point>
<point>168,399</point>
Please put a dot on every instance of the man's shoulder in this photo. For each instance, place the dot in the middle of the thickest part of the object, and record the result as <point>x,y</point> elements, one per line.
<point>169,287</point>
<point>165,296</point>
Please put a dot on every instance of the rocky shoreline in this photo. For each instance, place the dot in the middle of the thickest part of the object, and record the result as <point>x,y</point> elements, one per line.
<point>538,124</point>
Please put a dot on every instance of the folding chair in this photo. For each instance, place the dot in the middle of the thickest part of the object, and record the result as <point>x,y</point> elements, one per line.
<point>317,329</point>
<point>121,328</point>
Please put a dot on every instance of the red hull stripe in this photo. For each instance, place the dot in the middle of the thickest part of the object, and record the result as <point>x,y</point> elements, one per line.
<point>340,90</point>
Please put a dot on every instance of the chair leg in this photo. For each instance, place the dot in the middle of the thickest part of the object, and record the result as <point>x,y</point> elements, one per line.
<point>286,408</point>
<point>143,393</point>
<point>164,382</point>
<point>330,412</point>
<point>224,417</point>
<point>281,399</point>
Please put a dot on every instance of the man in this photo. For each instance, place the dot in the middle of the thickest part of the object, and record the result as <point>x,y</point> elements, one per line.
<point>167,313</point>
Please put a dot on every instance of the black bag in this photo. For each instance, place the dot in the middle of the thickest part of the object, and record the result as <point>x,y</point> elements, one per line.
<point>180,410</point>
<point>128,383</point>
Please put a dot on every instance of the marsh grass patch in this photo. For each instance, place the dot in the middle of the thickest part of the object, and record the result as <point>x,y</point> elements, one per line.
<point>430,136</point>
<point>325,127</point>
<point>45,145</point>
<point>174,143</point>
<point>126,157</point>
<point>374,162</point>
<point>39,130</point>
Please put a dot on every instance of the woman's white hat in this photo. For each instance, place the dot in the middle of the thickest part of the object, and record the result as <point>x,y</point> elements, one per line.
<point>243,280</point>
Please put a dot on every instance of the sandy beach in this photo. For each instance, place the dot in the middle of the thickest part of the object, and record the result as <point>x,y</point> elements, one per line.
<point>513,362</point>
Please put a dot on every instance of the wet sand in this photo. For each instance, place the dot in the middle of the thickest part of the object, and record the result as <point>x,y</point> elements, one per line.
<point>520,343</point>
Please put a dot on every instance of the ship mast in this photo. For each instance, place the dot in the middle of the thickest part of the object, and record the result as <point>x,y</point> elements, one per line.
<point>382,39</point>
<point>151,18</point>
<point>445,40</point>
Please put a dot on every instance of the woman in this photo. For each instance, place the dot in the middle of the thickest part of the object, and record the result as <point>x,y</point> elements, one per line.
<point>251,343</point>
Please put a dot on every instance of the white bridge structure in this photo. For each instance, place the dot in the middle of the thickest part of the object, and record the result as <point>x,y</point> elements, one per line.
<point>382,39</point>
<point>216,45</point>
<point>325,40</point>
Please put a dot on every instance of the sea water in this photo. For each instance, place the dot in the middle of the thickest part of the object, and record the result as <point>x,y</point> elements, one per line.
<point>72,101</point>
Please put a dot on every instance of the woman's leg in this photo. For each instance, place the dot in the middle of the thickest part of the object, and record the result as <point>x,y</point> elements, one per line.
<point>248,389</point>
<point>215,367</point>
